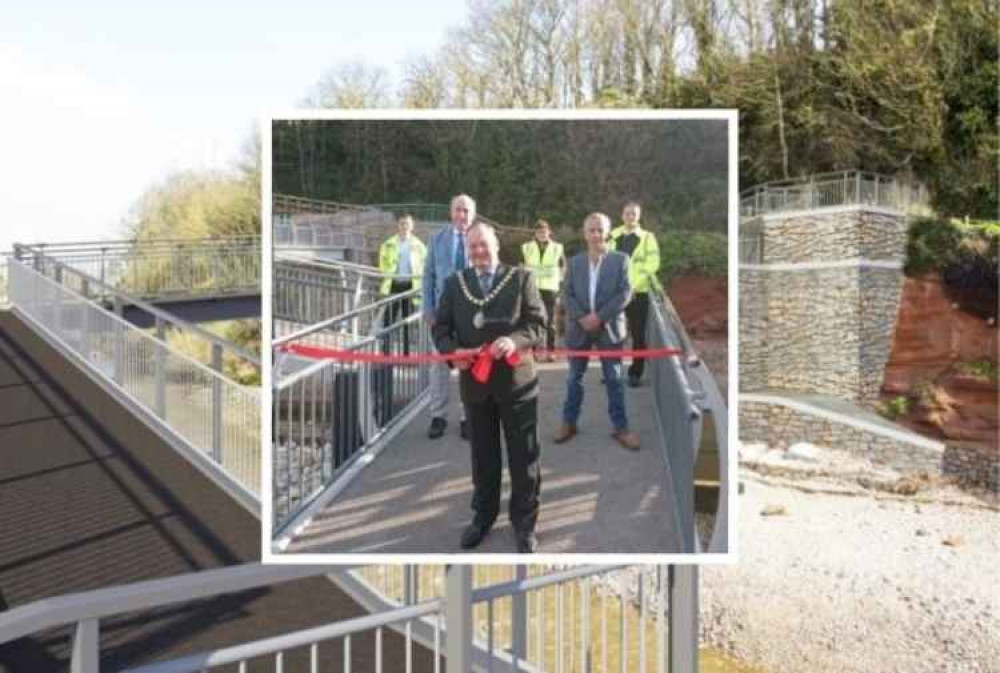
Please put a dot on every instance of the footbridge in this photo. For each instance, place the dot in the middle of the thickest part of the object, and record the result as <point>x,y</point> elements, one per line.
<point>129,501</point>
<point>353,470</point>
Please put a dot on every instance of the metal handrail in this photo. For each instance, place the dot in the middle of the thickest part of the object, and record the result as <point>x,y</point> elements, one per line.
<point>314,446</point>
<point>124,298</point>
<point>86,611</point>
<point>680,421</point>
<point>141,368</point>
<point>852,187</point>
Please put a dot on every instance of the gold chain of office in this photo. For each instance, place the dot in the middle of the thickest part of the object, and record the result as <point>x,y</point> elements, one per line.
<point>489,297</point>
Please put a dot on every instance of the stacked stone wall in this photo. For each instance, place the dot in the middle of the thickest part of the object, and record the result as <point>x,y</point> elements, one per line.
<point>825,329</point>
<point>779,427</point>
<point>978,465</point>
<point>753,330</point>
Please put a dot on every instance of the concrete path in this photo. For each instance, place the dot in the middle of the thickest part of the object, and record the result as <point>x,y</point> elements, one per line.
<point>596,496</point>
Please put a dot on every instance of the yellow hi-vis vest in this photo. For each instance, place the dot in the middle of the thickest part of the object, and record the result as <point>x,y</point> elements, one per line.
<point>545,267</point>
<point>644,261</point>
<point>388,259</point>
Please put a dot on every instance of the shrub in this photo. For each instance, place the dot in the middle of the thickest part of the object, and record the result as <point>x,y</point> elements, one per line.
<point>894,408</point>
<point>965,255</point>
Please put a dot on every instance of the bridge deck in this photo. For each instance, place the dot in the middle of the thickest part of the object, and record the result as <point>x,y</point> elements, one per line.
<point>596,496</point>
<point>90,498</point>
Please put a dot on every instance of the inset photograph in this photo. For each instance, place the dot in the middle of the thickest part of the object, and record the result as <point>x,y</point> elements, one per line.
<point>503,335</point>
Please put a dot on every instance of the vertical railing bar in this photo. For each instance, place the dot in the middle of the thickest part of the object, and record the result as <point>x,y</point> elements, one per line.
<point>347,654</point>
<point>85,657</point>
<point>489,636</point>
<point>642,619</point>
<point>314,658</point>
<point>378,650</point>
<point>622,631</point>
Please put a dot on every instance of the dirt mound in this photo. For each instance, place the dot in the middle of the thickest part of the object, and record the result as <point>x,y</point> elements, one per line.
<point>702,302</point>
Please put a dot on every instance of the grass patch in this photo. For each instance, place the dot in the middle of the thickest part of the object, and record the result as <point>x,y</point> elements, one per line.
<point>982,369</point>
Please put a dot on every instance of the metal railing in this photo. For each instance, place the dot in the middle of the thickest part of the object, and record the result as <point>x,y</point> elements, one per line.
<point>834,189</point>
<point>308,292</point>
<point>563,620</point>
<point>327,413</point>
<point>4,278</point>
<point>212,420</point>
<point>684,389</point>
<point>166,268</point>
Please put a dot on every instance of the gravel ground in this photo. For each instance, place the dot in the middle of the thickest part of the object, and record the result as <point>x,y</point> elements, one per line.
<point>844,574</point>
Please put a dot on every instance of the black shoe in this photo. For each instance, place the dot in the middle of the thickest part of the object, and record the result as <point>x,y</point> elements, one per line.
<point>473,535</point>
<point>437,427</point>
<point>527,543</point>
<point>463,429</point>
<point>634,381</point>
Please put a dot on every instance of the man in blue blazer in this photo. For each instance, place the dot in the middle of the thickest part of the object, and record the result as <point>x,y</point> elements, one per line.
<point>447,252</point>
<point>595,292</point>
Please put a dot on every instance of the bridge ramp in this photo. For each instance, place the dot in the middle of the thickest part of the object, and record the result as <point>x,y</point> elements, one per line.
<point>90,497</point>
<point>596,496</point>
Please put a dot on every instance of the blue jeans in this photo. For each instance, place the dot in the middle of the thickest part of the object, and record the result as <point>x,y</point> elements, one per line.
<point>613,385</point>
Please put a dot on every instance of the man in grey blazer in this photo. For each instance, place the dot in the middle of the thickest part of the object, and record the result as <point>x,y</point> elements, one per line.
<point>595,292</point>
<point>447,253</point>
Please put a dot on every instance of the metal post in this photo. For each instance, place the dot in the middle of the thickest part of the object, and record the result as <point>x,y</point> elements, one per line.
<point>876,190</point>
<point>683,618</point>
<point>458,618</point>
<point>410,592</point>
<point>519,622</point>
<point>217,404</point>
<point>857,187</point>
<point>86,646</point>
<point>119,345</point>
<point>160,400</point>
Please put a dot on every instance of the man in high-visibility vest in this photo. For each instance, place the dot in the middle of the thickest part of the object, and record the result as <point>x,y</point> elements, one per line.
<point>546,259</point>
<point>644,254</point>
<point>401,258</point>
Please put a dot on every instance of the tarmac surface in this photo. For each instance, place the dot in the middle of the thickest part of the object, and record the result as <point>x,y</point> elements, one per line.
<point>597,497</point>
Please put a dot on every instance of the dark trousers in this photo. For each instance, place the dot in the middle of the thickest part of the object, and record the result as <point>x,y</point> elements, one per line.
<point>399,309</point>
<point>549,299</point>
<point>637,315</point>
<point>519,421</point>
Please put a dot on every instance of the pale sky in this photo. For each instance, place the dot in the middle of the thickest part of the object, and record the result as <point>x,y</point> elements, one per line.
<point>99,100</point>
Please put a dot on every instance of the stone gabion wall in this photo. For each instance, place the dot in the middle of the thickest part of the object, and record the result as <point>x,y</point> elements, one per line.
<point>779,427</point>
<point>824,330</point>
<point>974,464</point>
<point>843,234</point>
<point>753,330</point>
<point>813,331</point>
<point>880,291</point>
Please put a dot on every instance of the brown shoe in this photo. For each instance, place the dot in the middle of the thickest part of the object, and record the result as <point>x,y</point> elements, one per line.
<point>628,440</point>
<point>564,434</point>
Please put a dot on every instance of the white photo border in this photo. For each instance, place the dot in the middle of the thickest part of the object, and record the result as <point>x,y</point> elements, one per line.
<point>269,556</point>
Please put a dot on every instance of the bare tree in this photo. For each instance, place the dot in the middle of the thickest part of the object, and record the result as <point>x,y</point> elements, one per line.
<point>353,84</point>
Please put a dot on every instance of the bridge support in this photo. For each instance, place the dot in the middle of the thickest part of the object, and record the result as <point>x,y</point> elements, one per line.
<point>86,646</point>
<point>683,618</point>
<point>458,618</point>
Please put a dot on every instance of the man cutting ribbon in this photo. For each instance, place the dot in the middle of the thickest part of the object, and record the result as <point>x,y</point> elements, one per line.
<point>498,307</point>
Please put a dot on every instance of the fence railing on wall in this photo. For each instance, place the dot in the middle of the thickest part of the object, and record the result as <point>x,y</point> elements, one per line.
<point>835,189</point>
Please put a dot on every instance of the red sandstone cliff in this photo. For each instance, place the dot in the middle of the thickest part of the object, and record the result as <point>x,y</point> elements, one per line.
<point>933,337</point>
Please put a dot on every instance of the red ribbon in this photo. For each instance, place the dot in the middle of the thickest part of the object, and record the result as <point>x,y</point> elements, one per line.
<point>320,353</point>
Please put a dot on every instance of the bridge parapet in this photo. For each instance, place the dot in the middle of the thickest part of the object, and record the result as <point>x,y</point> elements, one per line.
<point>159,269</point>
<point>211,419</point>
